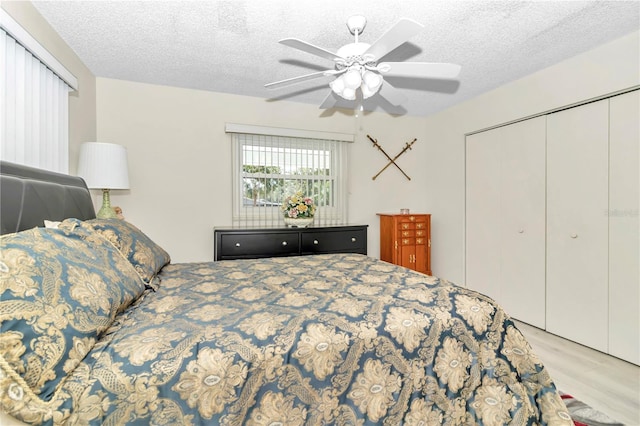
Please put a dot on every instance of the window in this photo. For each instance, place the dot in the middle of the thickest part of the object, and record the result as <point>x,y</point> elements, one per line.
<point>34,101</point>
<point>270,167</point>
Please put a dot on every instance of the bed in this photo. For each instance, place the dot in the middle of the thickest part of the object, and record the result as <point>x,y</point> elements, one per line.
<point>99,327</point>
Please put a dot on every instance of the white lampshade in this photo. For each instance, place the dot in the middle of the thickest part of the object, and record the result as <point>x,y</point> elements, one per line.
<point>103,165</point>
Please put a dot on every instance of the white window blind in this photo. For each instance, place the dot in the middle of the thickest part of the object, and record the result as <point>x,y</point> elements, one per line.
<point>34,102</point>
<point>268,168</point>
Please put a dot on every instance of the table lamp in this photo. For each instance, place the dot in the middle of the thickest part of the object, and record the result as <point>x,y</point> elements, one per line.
<point>104,166</point>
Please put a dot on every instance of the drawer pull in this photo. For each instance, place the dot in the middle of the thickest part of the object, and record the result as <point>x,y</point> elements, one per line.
<point>574,235</point>
<point>284,243</point>
<point>353,239</point>
<point>315,242</point>
<point>237,244</point>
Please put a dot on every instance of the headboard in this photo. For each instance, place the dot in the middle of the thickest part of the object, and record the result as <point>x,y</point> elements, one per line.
<point>28,196</point>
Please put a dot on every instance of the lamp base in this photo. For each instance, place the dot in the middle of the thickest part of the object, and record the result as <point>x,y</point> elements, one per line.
<point>106,212</point>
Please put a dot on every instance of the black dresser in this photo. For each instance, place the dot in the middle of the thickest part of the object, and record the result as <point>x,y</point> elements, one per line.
<point>252,243</point>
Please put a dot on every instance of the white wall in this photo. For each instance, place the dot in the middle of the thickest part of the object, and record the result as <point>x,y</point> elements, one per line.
<point>609,68</point>
<point>82,103</point>
<point>180,159</point>
<point>180,156</point>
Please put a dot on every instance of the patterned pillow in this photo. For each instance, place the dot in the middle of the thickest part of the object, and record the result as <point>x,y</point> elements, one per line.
<point>59,290</point>
<point>146,256</point>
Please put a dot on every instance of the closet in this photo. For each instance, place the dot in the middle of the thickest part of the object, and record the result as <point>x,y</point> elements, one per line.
<point>577,203</point>
<point>552,222</point>
<point>505,225</point>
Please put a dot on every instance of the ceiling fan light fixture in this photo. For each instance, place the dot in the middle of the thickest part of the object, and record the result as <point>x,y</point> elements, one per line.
<point>371,83</point>
<point>356,64</point>
<point>337,85</point>
<point>349,94</point>
<point>366,92</point>
<point>371,80</point>
<point>353,78</point>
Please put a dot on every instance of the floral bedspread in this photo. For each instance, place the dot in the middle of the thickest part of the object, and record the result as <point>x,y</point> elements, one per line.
<point>330,339</point>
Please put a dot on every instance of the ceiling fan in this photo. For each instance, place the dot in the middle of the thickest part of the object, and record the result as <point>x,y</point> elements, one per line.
<point>358,74</point>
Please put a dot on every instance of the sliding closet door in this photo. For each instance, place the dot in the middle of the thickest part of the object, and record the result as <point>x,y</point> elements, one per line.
<point>577,224</point>
<point>505,217</point>
<point>522,224</point>
<point>483,249</point>
<point>624,234</point>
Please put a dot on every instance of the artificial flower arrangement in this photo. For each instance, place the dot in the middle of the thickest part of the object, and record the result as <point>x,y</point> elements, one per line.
<point>298,206</point>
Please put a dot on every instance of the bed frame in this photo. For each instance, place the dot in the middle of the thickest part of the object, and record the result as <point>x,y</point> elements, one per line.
<point>28,196</point>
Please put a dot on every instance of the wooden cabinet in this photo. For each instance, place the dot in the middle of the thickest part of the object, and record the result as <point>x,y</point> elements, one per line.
<point>233,243</point>
<point>405,240</point>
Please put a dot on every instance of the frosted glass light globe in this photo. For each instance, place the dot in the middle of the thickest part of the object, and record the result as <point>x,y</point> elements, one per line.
<point>337,85</point>
<point>366,92</point>
<point>349,94</point>
<point>352,79</point>
<point>372,80</point>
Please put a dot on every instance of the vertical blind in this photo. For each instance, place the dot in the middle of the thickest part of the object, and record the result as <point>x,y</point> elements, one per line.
<point>268,168</point>
<point>34,126</point>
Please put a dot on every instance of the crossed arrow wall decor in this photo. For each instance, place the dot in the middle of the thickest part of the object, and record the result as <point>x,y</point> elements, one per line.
<point>392,160</point>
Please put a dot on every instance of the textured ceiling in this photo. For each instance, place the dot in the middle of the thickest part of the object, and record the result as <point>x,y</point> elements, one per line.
<point>232,46</point>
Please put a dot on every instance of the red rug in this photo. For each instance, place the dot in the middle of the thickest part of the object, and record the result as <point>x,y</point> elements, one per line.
<point>583,415</point>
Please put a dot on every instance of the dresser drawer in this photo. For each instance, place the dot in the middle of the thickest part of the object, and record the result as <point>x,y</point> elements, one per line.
<point>403,226</point>
<point>236,246</point>
<point>253,243</point>
<point>350,241</point>
<point>406,233</point>
<point>407,241</point>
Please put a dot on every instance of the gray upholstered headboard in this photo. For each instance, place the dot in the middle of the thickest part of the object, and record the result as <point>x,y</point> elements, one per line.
<point>28,196</point>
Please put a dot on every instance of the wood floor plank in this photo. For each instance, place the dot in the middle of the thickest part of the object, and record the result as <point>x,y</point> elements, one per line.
<point>606,383</point>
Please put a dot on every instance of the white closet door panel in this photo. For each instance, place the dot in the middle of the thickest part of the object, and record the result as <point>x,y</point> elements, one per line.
<point>577,231</point>
<point>522,227</point>
<point>482,213</point>
<point>624,220</point>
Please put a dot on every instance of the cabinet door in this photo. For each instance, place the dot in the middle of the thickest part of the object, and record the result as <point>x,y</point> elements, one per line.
<point>421,256</point>
<point>522,220</point>
<point>577,236</point>
<point>482,248</point>
<point>408,256</point>
<point>624,235</point>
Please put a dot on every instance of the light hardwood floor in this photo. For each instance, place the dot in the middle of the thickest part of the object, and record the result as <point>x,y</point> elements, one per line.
<point>602,381</point>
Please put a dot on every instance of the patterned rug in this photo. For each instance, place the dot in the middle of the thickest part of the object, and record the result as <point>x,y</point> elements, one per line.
<point>583,415</point>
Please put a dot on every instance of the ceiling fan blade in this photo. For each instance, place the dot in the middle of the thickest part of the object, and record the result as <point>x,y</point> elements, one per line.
<point>390,93</point>
<point>402,31</point>
<point>330,101</point>
<point>310,48</point>
<point>419,69</point>
<point>299,79</point>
